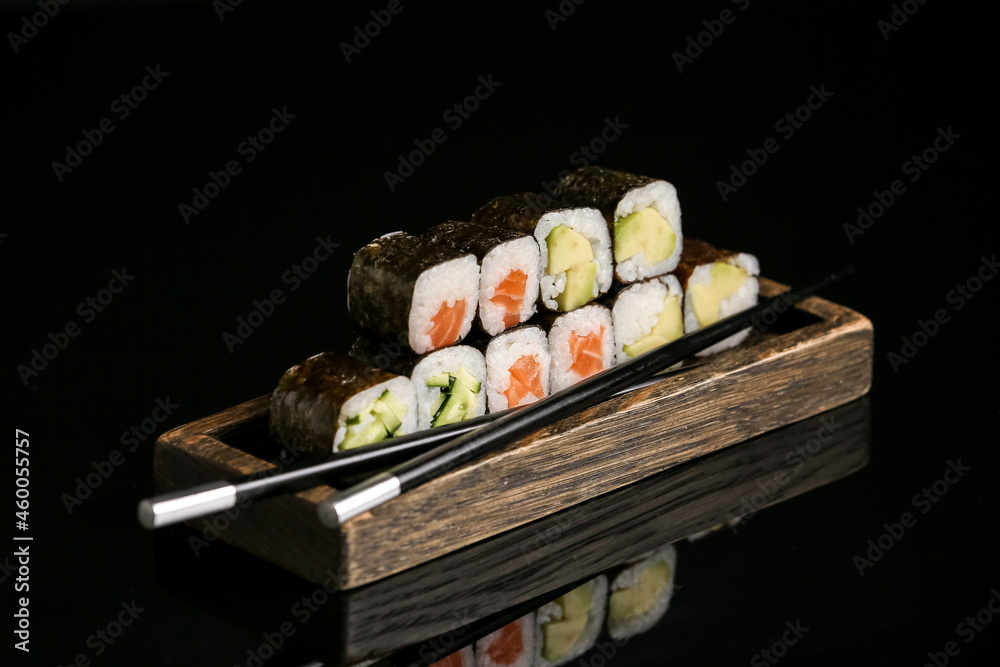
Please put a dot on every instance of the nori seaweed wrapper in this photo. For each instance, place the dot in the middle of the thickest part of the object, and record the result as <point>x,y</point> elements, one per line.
<point>600,188</point>
<point>694,254</point>
<point>479,239</point>
<point>381,281</point>
<point>520,212</point>
<point>392,356</point>
<point>309,396</point>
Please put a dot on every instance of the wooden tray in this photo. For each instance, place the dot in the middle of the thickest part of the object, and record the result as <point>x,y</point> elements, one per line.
<point>773,380</point>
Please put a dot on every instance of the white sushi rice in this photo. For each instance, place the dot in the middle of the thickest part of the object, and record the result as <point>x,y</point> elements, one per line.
<point>630,577</point>
<point>401,388</point>
<point>637,310</point>
<point>446,360</point>
<point>521,255</point>
<point>589,223</point>
<point>446,282</point>
<point>741,299</point>
<point>582,322</point>
<point>595,619</point>
<point>526,659</point>
<point>662,197</point>
<point>503,352</point>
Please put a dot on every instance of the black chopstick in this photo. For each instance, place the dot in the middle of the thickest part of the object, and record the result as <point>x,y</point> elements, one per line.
<point>217,496</point>
<point>343,506</point>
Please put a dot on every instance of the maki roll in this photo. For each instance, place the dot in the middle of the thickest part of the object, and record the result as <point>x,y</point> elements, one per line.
<point>568,626</point>
<point>575,250</point>
<point>508,270</point>
<point>582,343</point>
<point>448,382</point>
<point>513,645</point>
<point>647,315</point>
<point>642,213</point>
<point>717,283</point>
<point>460,658</point>
<point>640,593</point>
<point>404,287</point>
<point>517,368</point>
<point>331,403</point>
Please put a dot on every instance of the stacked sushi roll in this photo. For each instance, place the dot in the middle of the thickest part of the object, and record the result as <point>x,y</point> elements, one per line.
<point>640,593</point>
<point>518,364</point>
<point>569,625</point>
<point>511,646</point>
<point>581,344</point>
<point>647,315</point>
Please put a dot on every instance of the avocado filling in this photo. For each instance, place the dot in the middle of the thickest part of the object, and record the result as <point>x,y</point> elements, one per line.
<point>706,299</point>
<point>570,253</point>
<point>458,398</point>
<point>627,603</point>
<point>669,326</point>
<point>378,422</point>
<point>559,636</point>
<point>644,231</point>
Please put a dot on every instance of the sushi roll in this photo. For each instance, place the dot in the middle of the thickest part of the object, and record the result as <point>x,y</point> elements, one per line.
<point>574,248</point>
<point>640,593</point>
<point>508,270</point>
<point>517,368</point>
<point>568,626</point>
<point>404,287</point>
<point>330,403</point>
<point>643,216</point>
<point>449,383</point>
<point>461,658</point>
<point>513,645</point>
<point>717,283</point>
<point>582,343</point>
<point>647,315</point>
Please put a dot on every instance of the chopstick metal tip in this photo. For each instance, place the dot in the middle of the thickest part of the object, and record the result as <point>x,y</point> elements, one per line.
<point>343,506</point>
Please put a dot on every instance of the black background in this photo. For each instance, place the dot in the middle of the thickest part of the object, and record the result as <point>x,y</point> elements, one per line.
<point>325,176</point>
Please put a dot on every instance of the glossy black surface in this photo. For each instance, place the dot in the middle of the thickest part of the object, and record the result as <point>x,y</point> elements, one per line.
<point>609,67</point>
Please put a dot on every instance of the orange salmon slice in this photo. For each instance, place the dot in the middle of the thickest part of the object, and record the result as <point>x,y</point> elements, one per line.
<point>447,324</point>
<point>525,378</point>
<point>453,660</point>
<point>586,352</point>
<point>509,295</point>
<point>508,646</point>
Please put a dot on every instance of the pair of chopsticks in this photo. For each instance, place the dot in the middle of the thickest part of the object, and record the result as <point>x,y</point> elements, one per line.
<point>437,451</point>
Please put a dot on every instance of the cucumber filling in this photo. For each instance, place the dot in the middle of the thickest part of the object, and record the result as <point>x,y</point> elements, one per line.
<point>378,422</point>
<point>458,398</point>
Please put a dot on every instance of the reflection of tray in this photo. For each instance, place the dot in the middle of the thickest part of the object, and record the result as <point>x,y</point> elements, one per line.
<point>777,379</point>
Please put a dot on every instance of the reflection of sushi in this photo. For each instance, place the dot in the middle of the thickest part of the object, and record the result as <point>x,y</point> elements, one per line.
<point>717,283</point>
<point>517,368</point>
<point>575,261</point>
<point>643,214</point>
<point>647,315</point>
<point>640,593</point>
<point>448,382</point>
<point>460,658</point>
<point>332,403</point>
<point>568,626</point>
<point>582,343</point>
<point>401,287</point>
<point>513,645</point>
<point>508,270</point>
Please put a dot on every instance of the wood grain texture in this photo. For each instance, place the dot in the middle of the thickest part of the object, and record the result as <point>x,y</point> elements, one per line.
<point>771,381</point>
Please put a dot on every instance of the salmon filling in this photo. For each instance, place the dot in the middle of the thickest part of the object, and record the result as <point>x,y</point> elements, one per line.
<point>586,351</point>
<point>525,378</point>
<point>447,324</point>
<point>509,295</point>
<point>507,648</point>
